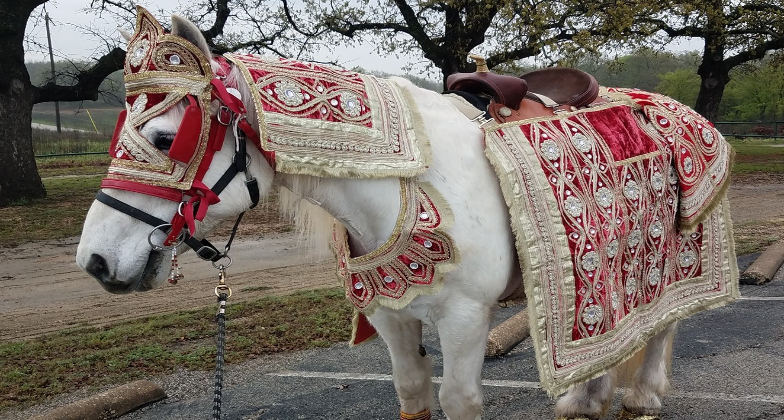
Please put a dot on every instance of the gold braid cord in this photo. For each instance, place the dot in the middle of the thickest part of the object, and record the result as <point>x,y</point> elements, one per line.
<point>422,415</point>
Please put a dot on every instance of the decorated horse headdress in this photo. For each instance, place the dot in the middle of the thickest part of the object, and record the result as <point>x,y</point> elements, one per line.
<point>161,70</point>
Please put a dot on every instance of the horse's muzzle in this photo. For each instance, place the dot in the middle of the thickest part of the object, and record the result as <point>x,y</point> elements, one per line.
<point>97,267</point>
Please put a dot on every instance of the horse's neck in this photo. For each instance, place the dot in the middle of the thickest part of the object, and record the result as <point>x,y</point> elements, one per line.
<point>368,208</point>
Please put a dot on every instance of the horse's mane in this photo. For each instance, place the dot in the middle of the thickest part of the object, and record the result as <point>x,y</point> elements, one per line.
<point>312,222</point>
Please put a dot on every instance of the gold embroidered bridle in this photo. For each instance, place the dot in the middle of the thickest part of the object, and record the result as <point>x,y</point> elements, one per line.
<point>163,70</point>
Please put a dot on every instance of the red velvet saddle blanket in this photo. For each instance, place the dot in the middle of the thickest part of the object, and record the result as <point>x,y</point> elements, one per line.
<point>621,226</point>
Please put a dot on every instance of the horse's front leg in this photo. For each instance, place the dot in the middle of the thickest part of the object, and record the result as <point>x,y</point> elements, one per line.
<point>463,327</point>
<point>650,381</point>
<point>411,370</point>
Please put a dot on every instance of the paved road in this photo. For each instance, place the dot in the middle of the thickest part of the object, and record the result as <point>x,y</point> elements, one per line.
<point>729,364</point>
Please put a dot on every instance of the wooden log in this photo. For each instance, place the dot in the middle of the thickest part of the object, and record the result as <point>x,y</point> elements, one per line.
<point>765,266</point>
<point>508,334</point>
<point>108,404</point>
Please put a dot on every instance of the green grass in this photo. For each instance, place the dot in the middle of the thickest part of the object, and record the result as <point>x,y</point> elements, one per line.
<point>103,116</point>
<point>40,368</point>
<point>46,142</point>
<point>73,165</point>
<point>57,216</point>
<point>758,155</point>
<point>756,237</point>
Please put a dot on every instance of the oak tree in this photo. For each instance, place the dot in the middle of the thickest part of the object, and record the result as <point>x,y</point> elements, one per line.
<point>445,31</point>
<point>731,32</point>
<point>256,30</point>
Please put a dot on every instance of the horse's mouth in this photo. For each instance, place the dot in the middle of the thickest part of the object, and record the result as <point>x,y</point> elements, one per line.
<point>147,279</point>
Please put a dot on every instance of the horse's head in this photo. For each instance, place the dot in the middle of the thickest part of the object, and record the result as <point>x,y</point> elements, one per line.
<point>177,167</point>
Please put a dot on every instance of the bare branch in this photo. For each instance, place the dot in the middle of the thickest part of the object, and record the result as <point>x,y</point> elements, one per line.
<point>88,81</point>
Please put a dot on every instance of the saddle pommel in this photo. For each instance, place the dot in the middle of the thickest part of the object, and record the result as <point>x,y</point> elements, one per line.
<point>481,64</point>
<point>508,90</point>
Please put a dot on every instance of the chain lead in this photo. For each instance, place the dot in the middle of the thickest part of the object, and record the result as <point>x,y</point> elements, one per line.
<point>223,291</point>
<point>222,287</point>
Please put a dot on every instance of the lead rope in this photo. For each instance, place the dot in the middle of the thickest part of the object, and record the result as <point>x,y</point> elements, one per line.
<point>223,291</point>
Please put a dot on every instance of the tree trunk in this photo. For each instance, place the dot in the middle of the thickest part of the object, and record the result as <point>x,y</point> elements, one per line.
<point>714,76</point>
<point>19,179</point>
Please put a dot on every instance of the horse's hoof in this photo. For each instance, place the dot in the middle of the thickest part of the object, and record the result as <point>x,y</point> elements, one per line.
<point>576,418</point>
<point>627,415</point>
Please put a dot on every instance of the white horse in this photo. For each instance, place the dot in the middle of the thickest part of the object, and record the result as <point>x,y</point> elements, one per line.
<point>115,249</point>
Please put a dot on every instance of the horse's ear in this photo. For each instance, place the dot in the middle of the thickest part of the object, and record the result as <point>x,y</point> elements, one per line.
<point>186,29</point>
<point>125,34</point>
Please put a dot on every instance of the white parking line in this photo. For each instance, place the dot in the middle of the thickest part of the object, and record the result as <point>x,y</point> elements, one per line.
<point>773,399</point>
<point>763,298</point>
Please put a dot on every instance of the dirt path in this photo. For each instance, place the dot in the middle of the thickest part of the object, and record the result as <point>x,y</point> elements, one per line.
<point>44,291</point>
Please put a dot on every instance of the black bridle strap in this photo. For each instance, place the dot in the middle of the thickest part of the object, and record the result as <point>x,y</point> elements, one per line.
<point>240,164</point>
<point>131,211</point>
<point>203,248</point>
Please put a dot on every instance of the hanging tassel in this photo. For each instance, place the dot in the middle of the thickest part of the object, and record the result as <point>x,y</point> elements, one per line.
<point>174,274</point>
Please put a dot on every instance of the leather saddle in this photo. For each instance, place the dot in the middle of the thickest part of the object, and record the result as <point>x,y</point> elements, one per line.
<point>540,93</point>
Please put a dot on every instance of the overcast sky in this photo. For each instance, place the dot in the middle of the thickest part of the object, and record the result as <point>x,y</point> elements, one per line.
<point>72,43</point>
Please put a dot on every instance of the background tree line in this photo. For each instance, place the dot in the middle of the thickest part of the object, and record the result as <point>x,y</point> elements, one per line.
<point>755,91</point>
<point>734,35</point>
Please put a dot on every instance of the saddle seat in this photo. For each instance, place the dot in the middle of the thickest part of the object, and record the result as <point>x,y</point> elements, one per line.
<point>504,89</point>
<point>540,93</point>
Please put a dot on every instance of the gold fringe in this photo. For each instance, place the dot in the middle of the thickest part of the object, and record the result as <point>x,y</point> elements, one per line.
<point>717,199</point>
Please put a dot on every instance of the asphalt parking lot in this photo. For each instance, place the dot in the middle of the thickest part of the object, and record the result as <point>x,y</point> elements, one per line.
<point>729,364</point>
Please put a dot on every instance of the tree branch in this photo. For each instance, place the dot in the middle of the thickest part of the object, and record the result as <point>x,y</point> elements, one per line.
<point>222,13</point>
<point>755,53</point>
<point>88,81</point>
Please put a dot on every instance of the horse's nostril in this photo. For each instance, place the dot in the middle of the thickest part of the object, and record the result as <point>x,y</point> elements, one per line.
<point>97,267</point>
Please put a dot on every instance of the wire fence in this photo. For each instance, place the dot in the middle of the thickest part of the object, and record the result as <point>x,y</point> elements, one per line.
<point>751,129</point>
<point>48,143</point>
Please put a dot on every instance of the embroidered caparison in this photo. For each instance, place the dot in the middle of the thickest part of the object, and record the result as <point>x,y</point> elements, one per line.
<point>323,121</point>
<point>411,263</point>
<point>595,214</point>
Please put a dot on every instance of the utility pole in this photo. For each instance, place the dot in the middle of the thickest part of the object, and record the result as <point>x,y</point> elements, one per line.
<point>51,61</point>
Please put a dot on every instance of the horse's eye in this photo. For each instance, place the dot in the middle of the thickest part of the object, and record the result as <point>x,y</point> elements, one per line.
<point>163,140</point>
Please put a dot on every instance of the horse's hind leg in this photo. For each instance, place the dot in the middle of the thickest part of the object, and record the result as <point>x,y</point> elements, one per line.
<point>650,381</point>
<point>411,371</point>
<point>589,399</point>
<point>463,329</point>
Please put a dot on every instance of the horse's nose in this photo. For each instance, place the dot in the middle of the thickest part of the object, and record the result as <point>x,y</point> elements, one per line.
<point>97,267</point>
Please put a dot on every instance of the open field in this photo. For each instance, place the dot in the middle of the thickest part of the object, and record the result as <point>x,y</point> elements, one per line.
<point>77,118</point>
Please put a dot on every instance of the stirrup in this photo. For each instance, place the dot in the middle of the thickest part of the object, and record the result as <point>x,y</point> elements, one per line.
<point>625,414</point>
